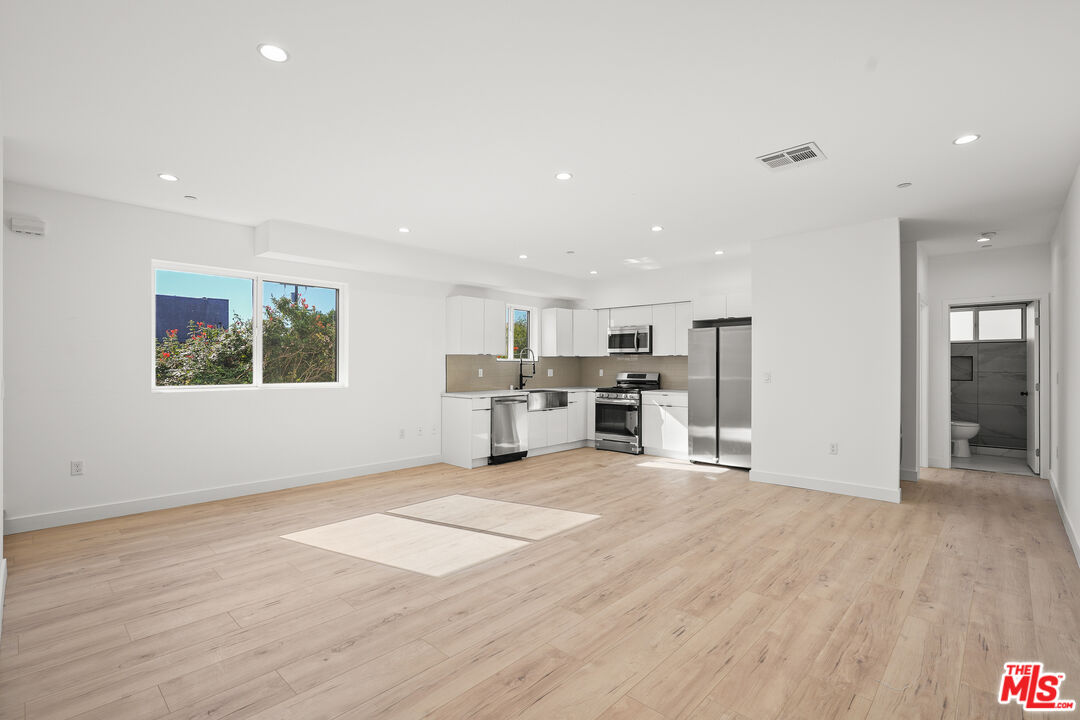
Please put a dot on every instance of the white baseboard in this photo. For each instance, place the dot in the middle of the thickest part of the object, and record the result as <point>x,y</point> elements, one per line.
<point>833,486</point>
<point>909,474</point>
<point>1070,529</point>
<point>3,588</point>
<point>24,523</point>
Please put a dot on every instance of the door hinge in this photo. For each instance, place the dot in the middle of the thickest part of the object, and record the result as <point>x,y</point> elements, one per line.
<point>1036,321</point>
<point>1038,452</point>
<point>1036,387</point>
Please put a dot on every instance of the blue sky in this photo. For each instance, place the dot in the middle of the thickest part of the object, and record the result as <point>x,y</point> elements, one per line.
<point>237,291</point>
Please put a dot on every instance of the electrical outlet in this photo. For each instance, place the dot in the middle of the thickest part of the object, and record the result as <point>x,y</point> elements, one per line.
<point>551,372</point>
<point>419,431</point>
<point>834,448</point>
<point>479,372</point>
<point>78,467</point>
<point>401,434</point>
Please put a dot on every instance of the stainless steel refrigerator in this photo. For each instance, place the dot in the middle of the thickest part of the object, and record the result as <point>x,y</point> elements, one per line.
<point>719,393</point>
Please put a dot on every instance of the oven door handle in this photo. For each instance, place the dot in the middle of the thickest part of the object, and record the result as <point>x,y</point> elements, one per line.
<point>606,401</point>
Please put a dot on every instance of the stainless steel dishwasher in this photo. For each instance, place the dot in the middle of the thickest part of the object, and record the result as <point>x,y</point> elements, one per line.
<point>509,428</point>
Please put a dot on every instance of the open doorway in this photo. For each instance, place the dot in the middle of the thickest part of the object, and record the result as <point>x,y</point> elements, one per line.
<point>994,387</point>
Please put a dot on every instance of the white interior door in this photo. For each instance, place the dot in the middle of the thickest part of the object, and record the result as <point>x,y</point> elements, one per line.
<point>1031,321</point>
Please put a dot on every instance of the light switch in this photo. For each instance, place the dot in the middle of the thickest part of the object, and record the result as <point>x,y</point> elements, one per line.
<point>551,372</point>
<point>766,376</point>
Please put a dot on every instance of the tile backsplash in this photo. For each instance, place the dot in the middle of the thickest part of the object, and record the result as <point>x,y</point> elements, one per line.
<point>462,371</point>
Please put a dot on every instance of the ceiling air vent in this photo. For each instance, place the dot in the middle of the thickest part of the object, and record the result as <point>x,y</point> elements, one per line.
<point>793,156</point>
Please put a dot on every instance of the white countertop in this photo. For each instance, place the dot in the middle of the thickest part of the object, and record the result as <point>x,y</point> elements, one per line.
<point>504,393</point>
<point>663,390</point>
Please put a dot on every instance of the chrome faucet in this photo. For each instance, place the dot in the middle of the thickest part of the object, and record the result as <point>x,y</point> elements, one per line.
<point>522,357</point>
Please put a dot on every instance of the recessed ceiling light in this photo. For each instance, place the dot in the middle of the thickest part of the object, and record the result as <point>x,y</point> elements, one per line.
<point>718,252</point>
<point>168,177</point>
<point>403,229</point>
<point>563,176</point>
<point>190,197</point>
<point>657,228</point>
<point>904,185</point>
<point>986,237</point>
<point>632,261</point>
<point>570,252</point>
<point>523,257</point>
<point>965,139</point>
<point>983,247</point>
<point>273,53</point>
<point>592,272</point>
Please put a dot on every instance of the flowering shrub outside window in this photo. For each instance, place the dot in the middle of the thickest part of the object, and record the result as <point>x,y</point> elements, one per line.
<point>197,345</point>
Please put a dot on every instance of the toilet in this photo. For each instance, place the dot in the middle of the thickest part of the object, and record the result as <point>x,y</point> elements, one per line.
<point>961,433</point>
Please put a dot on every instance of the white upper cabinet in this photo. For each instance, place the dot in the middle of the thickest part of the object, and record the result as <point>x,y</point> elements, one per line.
<point>557,332</point>
<point>475,326</point>
<point>464,325</point>
<point>603,318</point>
<point>663,329</point>
<point>585,337</point>
<point>494,327</point>
<point>683,323</point>
<point>629,316</point>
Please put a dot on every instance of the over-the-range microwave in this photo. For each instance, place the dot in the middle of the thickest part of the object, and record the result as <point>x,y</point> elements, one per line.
<point>634,339</point>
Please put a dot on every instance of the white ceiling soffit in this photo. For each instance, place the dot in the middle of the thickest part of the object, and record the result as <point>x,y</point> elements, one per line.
<point>452,119</point>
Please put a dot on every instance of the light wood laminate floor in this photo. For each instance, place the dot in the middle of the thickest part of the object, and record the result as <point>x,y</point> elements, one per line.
<point>695,595</point>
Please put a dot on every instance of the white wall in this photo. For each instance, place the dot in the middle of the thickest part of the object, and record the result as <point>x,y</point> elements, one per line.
<point>827,329</point>
<point>1065,392</point>
<point>713,285</point>
<point>909,361</point>
<point>922,343</point>
<point>3,218</point>
<point>79,300</point>
<point>1005,274</point>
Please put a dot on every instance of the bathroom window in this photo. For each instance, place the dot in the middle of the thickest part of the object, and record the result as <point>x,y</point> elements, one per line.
<point>962,325</point>
<point>992,323</point>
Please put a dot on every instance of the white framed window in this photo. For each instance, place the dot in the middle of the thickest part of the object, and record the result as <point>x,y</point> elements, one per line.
<point>522,332</point>
<point>987,323</point>
<point>214,328</point>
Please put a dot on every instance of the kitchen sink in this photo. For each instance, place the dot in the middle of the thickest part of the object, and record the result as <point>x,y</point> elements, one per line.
<point>547,399</point>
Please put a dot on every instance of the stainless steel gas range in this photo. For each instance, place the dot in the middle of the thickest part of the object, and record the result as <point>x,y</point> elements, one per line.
<point>618,411</point>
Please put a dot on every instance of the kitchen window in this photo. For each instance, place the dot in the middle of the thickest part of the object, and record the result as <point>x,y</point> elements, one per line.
<point>226,329</point>
<point>521,332</point>
<point>988,323</point>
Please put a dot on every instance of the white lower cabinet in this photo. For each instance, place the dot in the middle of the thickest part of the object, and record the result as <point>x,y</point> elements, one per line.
<point>590,416</point>
<point>466,431</point>
<point>665,424</point>
<point>538,430</point>
<point>558,426</point>
<point>481,434</point>
<point>577,408</point>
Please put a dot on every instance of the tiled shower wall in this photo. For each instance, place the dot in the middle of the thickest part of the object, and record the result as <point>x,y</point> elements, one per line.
<point>991,397</point>
<point>462,371</point>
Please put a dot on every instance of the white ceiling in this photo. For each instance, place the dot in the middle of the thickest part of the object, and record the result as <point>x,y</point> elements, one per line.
<point>453,117</point>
